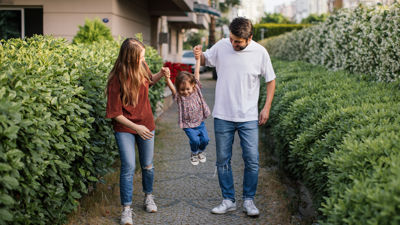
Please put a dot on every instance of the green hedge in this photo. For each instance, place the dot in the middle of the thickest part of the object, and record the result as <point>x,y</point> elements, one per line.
<point>274,29</point>
<point>55,140</point>
<point>339,134</point>
<point>363,40</point>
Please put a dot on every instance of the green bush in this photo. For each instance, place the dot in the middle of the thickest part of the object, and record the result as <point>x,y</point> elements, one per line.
<point>55,140</point>
<point>330,130</point>
<point>93,31</point>
<point>363,40</point>
<point>274,29</point>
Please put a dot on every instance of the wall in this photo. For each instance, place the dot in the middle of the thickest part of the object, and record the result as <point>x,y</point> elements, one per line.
<point>62,18</point>
<point>131,17</point>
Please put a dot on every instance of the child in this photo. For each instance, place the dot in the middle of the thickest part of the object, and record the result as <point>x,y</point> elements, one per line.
<point>129,107</point>
<point>193,110</point>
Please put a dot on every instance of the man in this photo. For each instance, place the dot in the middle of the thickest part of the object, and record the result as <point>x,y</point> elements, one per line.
<point>239,62</point>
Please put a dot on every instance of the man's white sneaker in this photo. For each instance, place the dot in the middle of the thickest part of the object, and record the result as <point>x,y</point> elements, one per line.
<point>224,207</point>
<point>126,216</point>
<point>250,208</point>
<point>194,159</point>
<point>202,157</point>
<point>149,203</point>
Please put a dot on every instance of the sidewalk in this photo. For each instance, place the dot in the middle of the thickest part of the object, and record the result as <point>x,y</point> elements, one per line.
<point>185,193</point>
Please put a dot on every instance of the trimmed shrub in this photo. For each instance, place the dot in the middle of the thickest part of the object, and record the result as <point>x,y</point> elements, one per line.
<point>92,31</point>
<point>55,140</point>
<point>274,29</point>
<point>363,40</point>
<point>339,133</point>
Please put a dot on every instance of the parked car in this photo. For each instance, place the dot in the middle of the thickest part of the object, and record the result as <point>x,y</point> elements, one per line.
<point>188,58</point>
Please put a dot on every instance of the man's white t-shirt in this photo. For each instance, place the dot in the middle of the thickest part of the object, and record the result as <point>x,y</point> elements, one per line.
<point>238,83</point>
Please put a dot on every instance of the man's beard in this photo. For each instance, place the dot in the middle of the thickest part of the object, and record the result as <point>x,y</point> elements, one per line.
<point>240,48</point>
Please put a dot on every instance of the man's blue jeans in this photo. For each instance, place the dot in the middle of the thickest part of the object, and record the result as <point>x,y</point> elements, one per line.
<point>126,144</point>
<point>224,136</point>
<point>198,138</point>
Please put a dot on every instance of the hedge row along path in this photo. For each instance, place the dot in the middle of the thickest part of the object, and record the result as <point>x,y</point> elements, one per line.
<point>185,193</point>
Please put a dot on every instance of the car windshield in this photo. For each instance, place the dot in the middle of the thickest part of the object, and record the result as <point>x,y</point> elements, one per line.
<point>188,54</point>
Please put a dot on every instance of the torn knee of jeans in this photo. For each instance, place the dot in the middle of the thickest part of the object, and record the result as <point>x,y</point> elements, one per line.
<point>223,165</point>
<point>149,167</point>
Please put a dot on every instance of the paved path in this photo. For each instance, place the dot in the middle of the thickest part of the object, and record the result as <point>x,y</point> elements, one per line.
<point>185,193</point>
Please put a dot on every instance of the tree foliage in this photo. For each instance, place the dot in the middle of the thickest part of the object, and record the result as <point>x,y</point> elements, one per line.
<point>193,39</point>
<point>92,31</point>
<point>314,18</point>
<point>275,18</point>
<point>224,6</point>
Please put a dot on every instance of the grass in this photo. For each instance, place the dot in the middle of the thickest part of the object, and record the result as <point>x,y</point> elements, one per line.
<point>101,203</point>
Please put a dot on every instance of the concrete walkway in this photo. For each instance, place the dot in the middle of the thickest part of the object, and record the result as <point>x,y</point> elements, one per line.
<point>184,193</point>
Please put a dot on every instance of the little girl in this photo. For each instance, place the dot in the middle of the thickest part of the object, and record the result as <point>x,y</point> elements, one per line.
<point>193,110</point>
<point>129,107</point>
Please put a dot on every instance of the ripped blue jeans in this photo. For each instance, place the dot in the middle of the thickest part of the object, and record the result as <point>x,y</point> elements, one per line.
<point>126,144</point>
<point>224,136</point>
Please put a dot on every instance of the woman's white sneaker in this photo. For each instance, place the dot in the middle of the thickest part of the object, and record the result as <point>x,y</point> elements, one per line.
<point>149,203</point>
<point>224,207</point>
<point>126,216</point>
<point>250,208</point>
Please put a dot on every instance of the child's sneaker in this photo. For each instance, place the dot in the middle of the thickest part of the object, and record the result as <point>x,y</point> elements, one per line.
<point>202,157</point>
<point>194,159</point>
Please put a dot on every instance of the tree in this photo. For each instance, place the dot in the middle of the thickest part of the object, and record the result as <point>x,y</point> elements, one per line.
<point>92,31</point>
<point>275,18</point>
<point>193,39</point>
<point>224,6</point>
<point>314,18</point>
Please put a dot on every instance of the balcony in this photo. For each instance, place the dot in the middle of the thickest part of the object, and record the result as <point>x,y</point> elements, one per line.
<point>170,7</point>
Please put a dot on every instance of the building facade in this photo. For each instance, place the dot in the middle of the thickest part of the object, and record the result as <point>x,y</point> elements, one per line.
<point>355,3</point>
<point>161,22</point>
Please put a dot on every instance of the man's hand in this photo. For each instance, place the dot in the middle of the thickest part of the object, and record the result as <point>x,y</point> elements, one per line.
<point>264,115</point>
<point>144,132</point>
<point>197,50</point>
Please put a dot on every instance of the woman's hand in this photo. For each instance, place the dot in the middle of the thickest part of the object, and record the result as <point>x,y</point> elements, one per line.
<point>140,129</point>
<point>143,132</point>
<point>166,73</point>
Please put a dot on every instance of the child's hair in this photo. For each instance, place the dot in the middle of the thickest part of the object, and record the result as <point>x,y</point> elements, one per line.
<point>130,72</point>
<point>184,76</point>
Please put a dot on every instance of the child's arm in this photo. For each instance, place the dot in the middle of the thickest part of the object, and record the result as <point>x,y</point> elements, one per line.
<point>197,69</point>
<point>171,85</point>
<point>197,66</point>
<point>167,75</point>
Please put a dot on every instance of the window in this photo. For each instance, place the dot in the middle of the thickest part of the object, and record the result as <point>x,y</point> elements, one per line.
<point>20,22</point>
<point>11,25</point>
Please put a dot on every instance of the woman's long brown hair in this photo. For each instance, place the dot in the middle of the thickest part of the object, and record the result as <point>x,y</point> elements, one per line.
<point>131,73</point>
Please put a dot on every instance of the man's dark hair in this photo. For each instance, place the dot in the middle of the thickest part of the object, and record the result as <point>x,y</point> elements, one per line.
<point>241,27</point>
